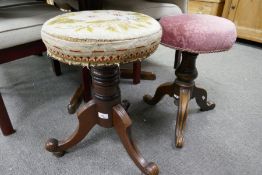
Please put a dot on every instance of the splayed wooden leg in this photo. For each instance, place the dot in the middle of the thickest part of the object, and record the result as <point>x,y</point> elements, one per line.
<point>87,120</point>
<point>82,92</point>
<point>162,90</point>
<point>184,97</point>
<point>136,74</point>
<point>201,99</point>
<point>75,100</point>
<point>56,67</point>
<point>122,124</point>
<point>105,110</point>
<point>87,83</point>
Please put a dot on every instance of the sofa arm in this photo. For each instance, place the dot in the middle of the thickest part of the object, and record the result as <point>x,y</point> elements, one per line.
<point>182,4</point>
<point>13,3</point>
<point>64,4</point>
<point>76,5</point>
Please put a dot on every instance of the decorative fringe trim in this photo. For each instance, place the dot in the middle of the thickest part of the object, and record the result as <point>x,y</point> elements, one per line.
<point>84,61</point>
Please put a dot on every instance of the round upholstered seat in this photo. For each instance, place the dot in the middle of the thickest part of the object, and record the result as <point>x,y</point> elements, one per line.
<point>101,37</point>
<point>198,33</point>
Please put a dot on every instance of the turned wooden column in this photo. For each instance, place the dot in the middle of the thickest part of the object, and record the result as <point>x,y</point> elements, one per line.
<point>106,92</point>
<point>187,71</point>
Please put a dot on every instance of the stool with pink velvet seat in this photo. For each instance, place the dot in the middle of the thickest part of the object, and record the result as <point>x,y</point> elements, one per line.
<point>192,35</point>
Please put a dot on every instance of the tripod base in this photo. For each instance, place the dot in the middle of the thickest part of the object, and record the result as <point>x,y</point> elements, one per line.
<point>105,110</point>
<point>183,89</point>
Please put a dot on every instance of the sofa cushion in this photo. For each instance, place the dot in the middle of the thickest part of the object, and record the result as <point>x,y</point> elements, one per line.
<point>153,9</point>
<point>23,23</point>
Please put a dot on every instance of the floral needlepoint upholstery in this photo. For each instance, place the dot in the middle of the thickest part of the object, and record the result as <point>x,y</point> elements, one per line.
<point>101,37</point>
<point>198,33</point>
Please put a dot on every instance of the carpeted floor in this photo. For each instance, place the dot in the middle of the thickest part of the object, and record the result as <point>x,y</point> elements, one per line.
<point>224,141</point>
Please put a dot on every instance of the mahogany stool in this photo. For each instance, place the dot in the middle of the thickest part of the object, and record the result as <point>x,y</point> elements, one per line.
<point>83,92</point>
<point>101,40</point>
<point>191,35</point>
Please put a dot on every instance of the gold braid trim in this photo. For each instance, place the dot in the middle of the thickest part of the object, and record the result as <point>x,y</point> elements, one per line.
<point>103,60</point>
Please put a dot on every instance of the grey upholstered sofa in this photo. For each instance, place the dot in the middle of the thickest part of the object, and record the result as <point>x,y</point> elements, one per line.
<point>20,27</point>
<point>21,21</point>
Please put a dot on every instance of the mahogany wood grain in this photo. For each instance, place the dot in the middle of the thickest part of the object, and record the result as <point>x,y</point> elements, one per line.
<point>136,72</point>
<point>104,109</point>
<point>201,99</point>
<point>87,83</point>
<point>75,100</point>
<point>87,118</point>
<point>122,124</point>
<point>130,74</point>
<point>162,90</point>
<point>182,89</point>
<point>177,59</point>
<point>21,51</point>
<point>184,97</point>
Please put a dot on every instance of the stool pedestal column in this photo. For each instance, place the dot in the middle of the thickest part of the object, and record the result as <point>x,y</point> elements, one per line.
<point>104,109</point>
<point>84,90</point>
<point>182,89</point>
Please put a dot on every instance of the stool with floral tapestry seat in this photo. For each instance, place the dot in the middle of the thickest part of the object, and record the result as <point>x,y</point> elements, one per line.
<point>101,40</point>
<point>192,35</point>
<point>153,8</point>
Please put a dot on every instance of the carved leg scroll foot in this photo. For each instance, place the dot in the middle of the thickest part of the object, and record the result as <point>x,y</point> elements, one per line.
<point>184,97</point>
<point>122,124</point>
<point>52,145</point>
<point>166,88</point>
<point>201,99</point>
<point>87,120</point>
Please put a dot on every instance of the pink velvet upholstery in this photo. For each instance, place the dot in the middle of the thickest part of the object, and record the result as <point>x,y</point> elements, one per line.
<point>198,33</point>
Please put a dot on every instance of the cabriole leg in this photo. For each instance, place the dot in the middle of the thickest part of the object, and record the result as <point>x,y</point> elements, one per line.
<point>184,98</point>
<point>87,118</point>
<point>122,124</point>
<point>201,99</point>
